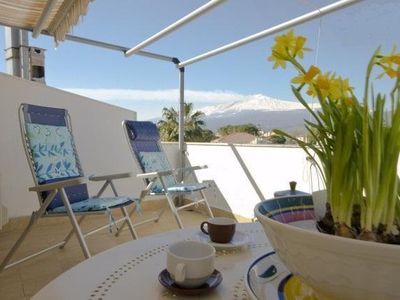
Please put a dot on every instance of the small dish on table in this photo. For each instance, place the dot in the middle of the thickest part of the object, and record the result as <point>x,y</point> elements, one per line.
<point>268,278</point>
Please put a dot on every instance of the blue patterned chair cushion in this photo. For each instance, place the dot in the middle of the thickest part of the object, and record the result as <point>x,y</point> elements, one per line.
<point>95,204</point>
<point>187,188</point>
<point>142,131</point>
<point>155,162</point>
<point>52,152</point>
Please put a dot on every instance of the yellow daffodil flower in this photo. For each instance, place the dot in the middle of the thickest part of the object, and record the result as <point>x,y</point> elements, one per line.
<point>277,57</point>
<point>346,88</point>
<point>308,77</point>
<point>286,47</point>
<point>322,83</point>
<point>388,62</point>
<point>335,88</point>
<point>330,86</point>
<point>348,101</point>
<point>299,47</point>
<point>286,41</point>
<point>393,58</point>
<point>390,71</point>
<point>341,88</point>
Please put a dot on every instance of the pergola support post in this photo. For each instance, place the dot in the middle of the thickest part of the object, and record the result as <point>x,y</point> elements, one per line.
<point>182,147</point>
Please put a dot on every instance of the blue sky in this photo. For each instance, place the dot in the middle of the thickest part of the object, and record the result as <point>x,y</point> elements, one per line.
<point>348,38</point>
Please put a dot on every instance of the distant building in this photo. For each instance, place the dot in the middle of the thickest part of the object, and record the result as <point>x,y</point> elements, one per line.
<point>267,133</point>
<point>237,138</point>
<point>267,138</point>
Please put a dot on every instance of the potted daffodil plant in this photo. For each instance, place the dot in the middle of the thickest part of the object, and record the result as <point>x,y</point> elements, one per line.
<point>355,142</point>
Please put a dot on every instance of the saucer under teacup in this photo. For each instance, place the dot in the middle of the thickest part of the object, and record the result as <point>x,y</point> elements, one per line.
<point>240,239</point>
<point>212,282</point>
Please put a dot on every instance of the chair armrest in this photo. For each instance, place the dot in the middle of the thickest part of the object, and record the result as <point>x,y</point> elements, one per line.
<point>170,172</point>
<point>110,177</point>
<point>194,168</point>
<point>57,185</point>
<point>155,174</point>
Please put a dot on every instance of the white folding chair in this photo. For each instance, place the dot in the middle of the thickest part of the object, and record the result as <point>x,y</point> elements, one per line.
<point>59,180</point>
<point>160,179</point>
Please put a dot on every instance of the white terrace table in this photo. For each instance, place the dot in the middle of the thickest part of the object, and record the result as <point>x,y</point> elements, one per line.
<point>130,271</point>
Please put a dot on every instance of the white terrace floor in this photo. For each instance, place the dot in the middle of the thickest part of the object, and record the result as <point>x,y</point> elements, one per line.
<point>24,280</point>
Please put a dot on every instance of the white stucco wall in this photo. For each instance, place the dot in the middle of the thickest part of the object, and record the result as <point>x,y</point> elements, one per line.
<point>97,130</point>
<point>272,168</point>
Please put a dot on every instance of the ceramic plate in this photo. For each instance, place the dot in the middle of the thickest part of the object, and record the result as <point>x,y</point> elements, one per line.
<point>239,240</point>
<point>212,282</point>
<point>268,278</point>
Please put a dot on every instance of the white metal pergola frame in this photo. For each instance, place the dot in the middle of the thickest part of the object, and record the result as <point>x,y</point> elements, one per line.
<point>137,50</point>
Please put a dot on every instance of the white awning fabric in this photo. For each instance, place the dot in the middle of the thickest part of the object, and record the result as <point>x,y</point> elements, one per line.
<point>56,17</point>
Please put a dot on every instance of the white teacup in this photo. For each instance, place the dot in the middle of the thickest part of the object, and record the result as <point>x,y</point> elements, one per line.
<point>190,263</point>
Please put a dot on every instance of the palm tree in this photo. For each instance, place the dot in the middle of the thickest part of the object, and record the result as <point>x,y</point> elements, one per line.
<point>194,125</point>
<point>168,126</point>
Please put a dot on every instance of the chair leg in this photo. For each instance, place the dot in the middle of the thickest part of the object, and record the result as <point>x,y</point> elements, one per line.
<point>75,224</point>
<point>18,243</point>
<point>129,214</point>
<point>35,216</point>
<point>126,215</point>
<point>208,208</point>
<point>174,210</point>
<point>69,235</point>
<point>162,211</point>
<point>154,219</point>
<point>129,222</point>
<point>119,230</point>
<point>171,202</point>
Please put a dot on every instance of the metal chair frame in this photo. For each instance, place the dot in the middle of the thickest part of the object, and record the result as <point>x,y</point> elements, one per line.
<point>59,187</point>
<point>150,178</point>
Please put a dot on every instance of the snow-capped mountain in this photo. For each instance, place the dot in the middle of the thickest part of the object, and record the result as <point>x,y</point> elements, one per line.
<point>263,111</point>
<point>257,102</point>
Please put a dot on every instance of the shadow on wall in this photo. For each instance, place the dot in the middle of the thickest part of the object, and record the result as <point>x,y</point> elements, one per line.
<point>215,197</point>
